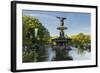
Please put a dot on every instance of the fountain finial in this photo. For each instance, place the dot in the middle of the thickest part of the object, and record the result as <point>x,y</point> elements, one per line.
<point>61,20</point>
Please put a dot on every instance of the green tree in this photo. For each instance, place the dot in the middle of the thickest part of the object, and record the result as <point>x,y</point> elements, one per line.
<point>80,41</point>
<point>29,25</point>
<point>81,38</point>
<point>34,44</point>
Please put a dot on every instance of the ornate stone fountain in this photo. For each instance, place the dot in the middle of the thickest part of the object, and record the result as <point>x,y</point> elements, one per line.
<point>61,47</point>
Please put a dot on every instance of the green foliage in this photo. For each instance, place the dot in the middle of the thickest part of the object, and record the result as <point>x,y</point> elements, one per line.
<point>29,25</point>
<point>33,54</point>
<point>80,41</point>
<point>28,56</point>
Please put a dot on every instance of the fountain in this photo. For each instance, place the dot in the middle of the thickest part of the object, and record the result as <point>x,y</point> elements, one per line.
<point>61,47</point>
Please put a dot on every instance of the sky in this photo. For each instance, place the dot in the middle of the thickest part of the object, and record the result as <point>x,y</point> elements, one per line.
<point>76,22</point>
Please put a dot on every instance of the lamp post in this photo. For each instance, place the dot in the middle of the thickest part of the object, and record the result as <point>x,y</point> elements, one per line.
<point>36,32</point>
<point>35,53</point>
